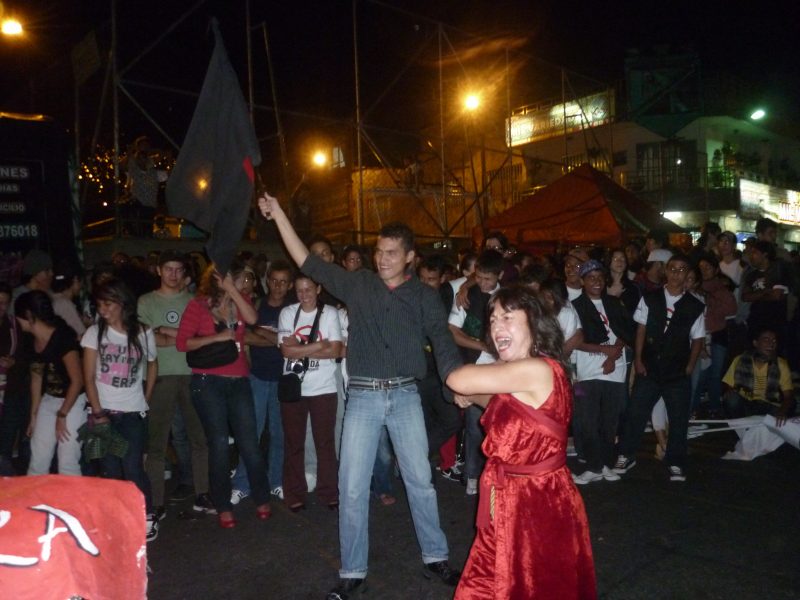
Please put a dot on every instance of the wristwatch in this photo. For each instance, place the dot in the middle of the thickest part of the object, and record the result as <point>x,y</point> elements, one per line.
<point>61,415</point>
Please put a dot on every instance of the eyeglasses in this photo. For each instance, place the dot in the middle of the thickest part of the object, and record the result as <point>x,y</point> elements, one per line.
<point>277,282</point>
<point>354,259</point>
<point>677,269</point>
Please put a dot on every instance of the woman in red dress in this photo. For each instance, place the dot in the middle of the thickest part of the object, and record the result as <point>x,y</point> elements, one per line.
<point>533,535</point>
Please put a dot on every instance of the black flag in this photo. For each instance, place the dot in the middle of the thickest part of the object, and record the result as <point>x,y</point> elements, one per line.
<point>212,182</point>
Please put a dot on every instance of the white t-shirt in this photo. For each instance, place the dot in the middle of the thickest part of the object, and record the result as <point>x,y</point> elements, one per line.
<point>590,364</point>
<point>570,322</point>
<point>698,327</point>
<point>118,374</point>
<point>733,269</point>
<point>320,378</point>
<point>573,293</point>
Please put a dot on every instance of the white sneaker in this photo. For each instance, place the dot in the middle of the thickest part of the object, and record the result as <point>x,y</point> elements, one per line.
<point>587,477</point>
<point>609,475</point>
<point>571,447</point>
<point>472,487</point>
<point>277,491</point>
<point>676,474</point>
<point>237,496</point>
<point>152,527</point>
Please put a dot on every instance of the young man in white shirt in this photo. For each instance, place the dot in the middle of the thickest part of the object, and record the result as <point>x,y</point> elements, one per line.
<point>669,337</point>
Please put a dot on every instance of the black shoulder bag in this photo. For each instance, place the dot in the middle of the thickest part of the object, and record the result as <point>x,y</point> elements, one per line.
<point>290,384</point>
<point>216,354</point>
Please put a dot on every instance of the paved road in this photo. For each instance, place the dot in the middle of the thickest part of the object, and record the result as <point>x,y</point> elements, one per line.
<point>732,531</point>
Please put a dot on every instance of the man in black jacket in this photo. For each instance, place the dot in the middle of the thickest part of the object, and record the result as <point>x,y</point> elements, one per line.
<point>669,338</point>
<point>601,370</point>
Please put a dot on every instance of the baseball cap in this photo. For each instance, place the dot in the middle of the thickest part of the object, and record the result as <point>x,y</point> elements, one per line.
<point>659,255</point>
<point>589,266</point>
<point>35,262</point>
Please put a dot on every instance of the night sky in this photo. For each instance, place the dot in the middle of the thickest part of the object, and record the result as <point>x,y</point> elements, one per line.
<point>312,53</point>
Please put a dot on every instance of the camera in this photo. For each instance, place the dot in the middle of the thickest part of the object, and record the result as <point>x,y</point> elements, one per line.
<point>296,366</point>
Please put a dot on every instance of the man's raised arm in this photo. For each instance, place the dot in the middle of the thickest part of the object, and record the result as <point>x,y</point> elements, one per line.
<point>271,210</point>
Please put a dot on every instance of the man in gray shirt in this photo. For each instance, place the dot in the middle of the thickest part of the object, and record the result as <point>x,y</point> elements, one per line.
<point>391,315</point>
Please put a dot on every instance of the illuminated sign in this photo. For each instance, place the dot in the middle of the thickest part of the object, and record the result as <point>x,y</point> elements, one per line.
<point>561,119</point>
<point>761,200</point>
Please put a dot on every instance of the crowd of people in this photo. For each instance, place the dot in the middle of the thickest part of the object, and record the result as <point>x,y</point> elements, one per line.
<point>329,376</point>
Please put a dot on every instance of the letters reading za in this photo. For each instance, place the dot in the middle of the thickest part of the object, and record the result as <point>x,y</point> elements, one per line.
<point>71,525</point>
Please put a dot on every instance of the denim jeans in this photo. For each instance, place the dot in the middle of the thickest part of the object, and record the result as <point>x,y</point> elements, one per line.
<point>382,470</point>
<point>268,414</point>
<point>133,427</point>
<point>646,392</point>
<point>224,403</point>
<point>183,454</point>
<point>710,379</point>
<point>367,412</point>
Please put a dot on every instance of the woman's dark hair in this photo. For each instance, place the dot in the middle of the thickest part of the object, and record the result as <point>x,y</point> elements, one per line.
<point>115,290</point>
<point>36,305</point>
<point>710,258</point>
<point>5,288</point>
<point>558,289</point>
<point>548,339</point>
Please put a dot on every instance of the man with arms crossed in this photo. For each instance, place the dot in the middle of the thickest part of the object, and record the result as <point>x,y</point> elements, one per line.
<point>391,313</point>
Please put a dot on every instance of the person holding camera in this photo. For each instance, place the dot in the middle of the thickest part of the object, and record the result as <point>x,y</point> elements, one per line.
<point>310,339</point>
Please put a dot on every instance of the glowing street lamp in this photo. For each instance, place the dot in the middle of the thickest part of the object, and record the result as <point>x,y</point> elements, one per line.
<point>320,159</point>
<point>11,27</point>
<point>758,114</point>
<point>472,102</point>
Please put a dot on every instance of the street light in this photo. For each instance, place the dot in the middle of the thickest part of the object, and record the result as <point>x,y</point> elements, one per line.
<point>11,27</point>
<point>758,114</point>
<point>320,158</point>
<point>472,102</point>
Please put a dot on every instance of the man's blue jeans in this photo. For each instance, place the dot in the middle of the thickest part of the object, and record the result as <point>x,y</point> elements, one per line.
<point>367,412</point>
<point>223,402</point>
<point>268,411</point>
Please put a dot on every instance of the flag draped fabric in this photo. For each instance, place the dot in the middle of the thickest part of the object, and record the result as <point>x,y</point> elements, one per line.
<point>212,182</point>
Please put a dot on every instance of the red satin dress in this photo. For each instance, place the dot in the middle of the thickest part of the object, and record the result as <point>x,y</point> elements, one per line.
<point>533,535</point>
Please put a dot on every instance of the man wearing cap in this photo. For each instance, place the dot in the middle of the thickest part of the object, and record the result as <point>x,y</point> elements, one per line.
<point>601,369</point>
<point>162,309</point>
<point>669,337</point>
<point>652,278</point>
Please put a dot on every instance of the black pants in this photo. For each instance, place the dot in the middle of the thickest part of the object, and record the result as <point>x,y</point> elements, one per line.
<point>646,392</point>
<point>442,418</point>
<point>597,414</point>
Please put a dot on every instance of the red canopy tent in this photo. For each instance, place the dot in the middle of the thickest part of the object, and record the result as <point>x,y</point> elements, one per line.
<point>583,207</point>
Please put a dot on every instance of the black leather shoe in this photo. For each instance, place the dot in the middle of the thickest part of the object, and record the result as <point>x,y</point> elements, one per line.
<point>443,571</point>
<point>347,587</point>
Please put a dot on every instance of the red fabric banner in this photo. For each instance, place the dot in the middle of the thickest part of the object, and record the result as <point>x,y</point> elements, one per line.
<point>65,537</point>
